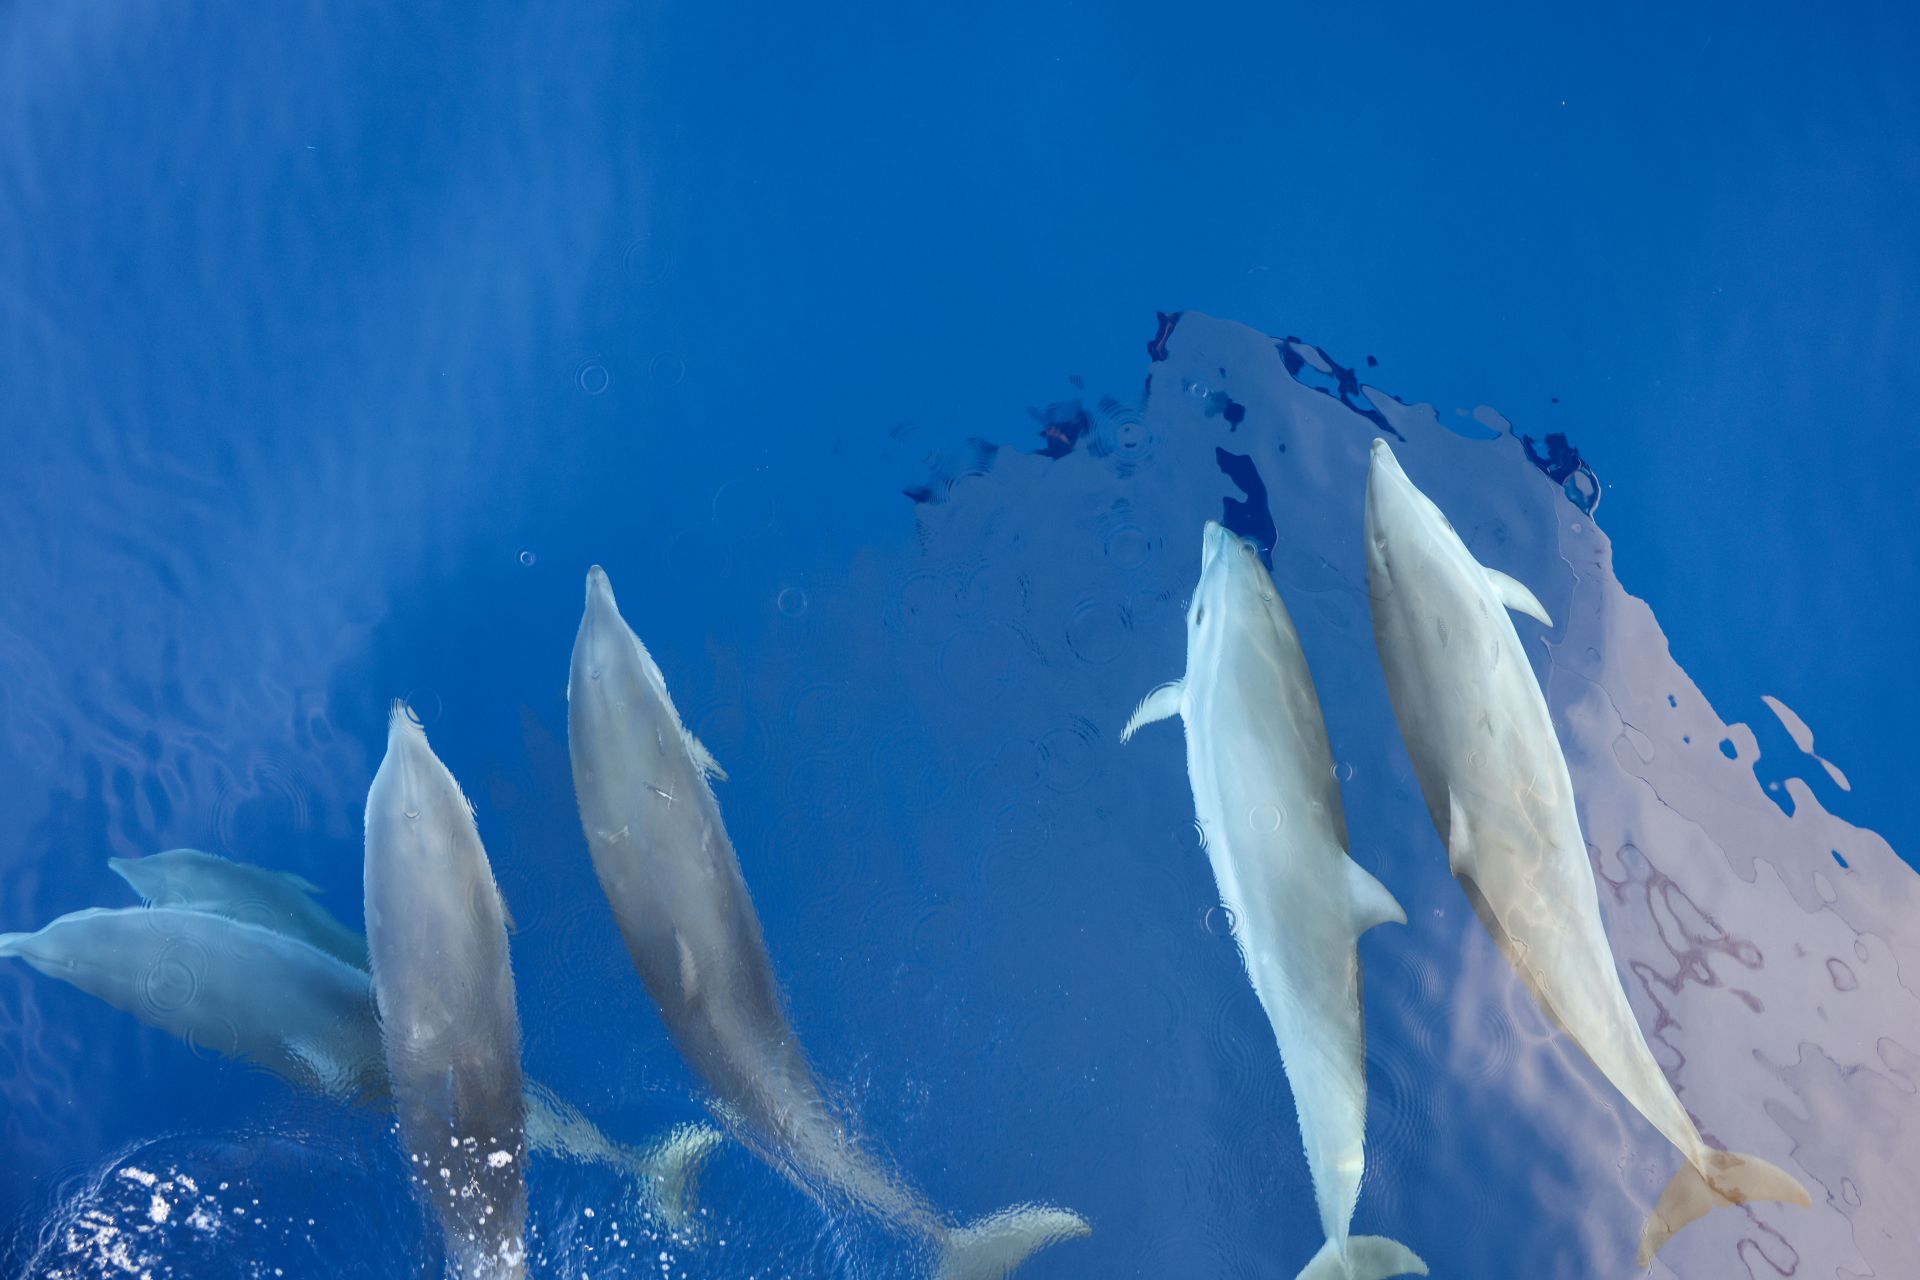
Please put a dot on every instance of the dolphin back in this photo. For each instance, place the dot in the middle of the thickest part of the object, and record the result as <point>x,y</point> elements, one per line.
<point>436,932</point>
<point>277,900</point>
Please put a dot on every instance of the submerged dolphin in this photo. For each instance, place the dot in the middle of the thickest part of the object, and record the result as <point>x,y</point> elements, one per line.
<point>239,990</point>
<point>1497,788</point>
<point>437,934</point>
<point>253,990</point>
<point>1276,834</point>
<point>279,900</point>
<point>674,882</point>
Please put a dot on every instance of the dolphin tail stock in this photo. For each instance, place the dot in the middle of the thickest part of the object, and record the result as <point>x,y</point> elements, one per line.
<point>667,1173</point>
<point>993,1246</point>
<point>1367,1258</point>
<point>1729,1179</point>
<point>10,943</point>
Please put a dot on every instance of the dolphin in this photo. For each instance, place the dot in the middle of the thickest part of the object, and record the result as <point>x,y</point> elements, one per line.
<point>272,991</point>
<point>674,882</point>
<point>239,990</point>
<point>1496,785</point>
<point>437,935</point>
<point>1276,834</point>
<point>279,900</point>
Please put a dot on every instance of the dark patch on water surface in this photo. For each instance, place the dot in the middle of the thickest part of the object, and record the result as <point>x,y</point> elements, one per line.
<point>1063,425</point>
<point>976,459</point>
<point>1562,463</point>
<point>1157,348</point>
<point>1336,380</point>
<point>1249,516</point>
<point>1222,405</point>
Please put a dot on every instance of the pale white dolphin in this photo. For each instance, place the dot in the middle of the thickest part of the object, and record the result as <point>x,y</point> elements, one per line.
<point>674,882</point>
<point>437,935</point>
<point>1270,814</point>
<point>279,900</point>
<point>1496,785</point>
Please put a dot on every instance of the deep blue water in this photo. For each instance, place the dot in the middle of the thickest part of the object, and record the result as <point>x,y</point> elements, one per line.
<point>890,360</point>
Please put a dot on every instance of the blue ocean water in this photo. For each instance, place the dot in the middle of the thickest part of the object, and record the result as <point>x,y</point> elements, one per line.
<point>890,360</point>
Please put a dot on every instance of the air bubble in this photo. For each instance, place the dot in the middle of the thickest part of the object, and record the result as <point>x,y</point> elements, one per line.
<point>792,602</point>
<point>1220,922</point>
<point>1129,547</point>
<point>1264,819</point>
<point>593,378</point>
<point>527,558</point>
<point>667,368</point>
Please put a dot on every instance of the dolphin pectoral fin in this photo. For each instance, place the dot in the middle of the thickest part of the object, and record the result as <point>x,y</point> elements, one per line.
<point>1368,1258</point>
<point>1162,704</point>
<point>998,1243</point>
<point>1372,903</point>
<point>704,758</point>
<point>1731,1179</point>
<point>1514,594</point>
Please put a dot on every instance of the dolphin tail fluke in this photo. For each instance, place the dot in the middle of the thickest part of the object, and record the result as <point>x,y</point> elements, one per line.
<point>1729,1179</point>
<point>1368,1258</point>
<point>993,1246</point>
<point>669,1173</point>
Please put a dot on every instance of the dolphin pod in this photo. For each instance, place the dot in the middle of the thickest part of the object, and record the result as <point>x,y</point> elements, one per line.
<point>437,936</point>
<point>1497,788</point>
<point>1270,814</point>
<point>681,902</point>
<point>420,1015</point>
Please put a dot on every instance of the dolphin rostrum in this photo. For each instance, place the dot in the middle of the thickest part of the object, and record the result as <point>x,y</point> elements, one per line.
<point>437,935</point>
<point>1270,814</point>
<point>265,997</point>
<point>1497,788</point>
<point>279,900</point>
<point>676,889</point>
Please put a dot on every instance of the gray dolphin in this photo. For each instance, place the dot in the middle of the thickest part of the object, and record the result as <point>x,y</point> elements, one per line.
<point>1276,835</point>
<point>279,900</point>
<point>676,889</point>
<point>239,990</point>
<point>437,935</point>
<point>1496,785</point>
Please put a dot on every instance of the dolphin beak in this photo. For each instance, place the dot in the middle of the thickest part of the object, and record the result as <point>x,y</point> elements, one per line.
<point>1214,539</point>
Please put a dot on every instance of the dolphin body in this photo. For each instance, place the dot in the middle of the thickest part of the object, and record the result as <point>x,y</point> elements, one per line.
<point>1496,785</point>
<point>278,900</point>
<point>674,882</point>
<point>437,935</point>
<point>1276,834</point>
<point>273,1000</point>
<point>240,990</point>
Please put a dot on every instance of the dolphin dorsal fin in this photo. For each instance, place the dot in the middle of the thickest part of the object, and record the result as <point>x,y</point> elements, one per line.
<point>1513,593</point>
<point>1162,704</point>
<point>1372,903</point>
<point>704,758</point>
